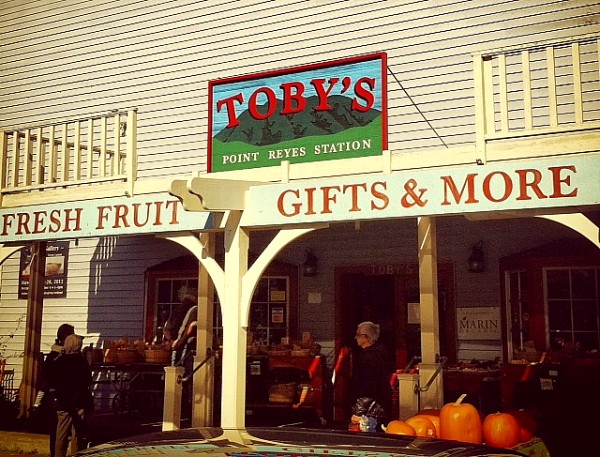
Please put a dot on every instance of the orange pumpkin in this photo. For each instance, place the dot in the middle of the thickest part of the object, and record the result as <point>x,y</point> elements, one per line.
<point>422,425</point>
<point>501,430</point>
<point>398,427</point>
<point>527,423</point>
<point>434,416</point>
<point>461,422</point>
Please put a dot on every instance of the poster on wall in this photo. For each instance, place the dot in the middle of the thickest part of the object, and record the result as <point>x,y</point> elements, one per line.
<point>325,111</point>
<point>480,323</point>
<point>55,283</point>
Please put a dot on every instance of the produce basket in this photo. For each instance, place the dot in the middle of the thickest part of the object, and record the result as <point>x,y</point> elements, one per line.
<point>162,356</point>
<point>128,356</point>
<point>283,393</point>
<point>110,355</point>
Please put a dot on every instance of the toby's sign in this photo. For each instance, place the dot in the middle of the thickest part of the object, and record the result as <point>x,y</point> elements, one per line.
<point>332,110</point>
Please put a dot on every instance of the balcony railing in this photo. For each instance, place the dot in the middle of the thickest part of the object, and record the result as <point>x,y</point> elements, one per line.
<point>97,149</point>
<point>543,89</point>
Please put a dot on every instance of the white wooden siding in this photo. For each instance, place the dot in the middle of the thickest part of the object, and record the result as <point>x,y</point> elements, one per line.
<point>65,59</point>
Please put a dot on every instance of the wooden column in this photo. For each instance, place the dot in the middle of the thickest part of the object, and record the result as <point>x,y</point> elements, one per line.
<point>204,379</point>
<point>430,327</point>
<point>33,330</point>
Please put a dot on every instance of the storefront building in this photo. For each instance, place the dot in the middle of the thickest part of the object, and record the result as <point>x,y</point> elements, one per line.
<point>474,131</point>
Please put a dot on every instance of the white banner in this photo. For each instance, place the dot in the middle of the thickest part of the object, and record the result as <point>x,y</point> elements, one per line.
<point>137,215</point>
<point>558,182</point>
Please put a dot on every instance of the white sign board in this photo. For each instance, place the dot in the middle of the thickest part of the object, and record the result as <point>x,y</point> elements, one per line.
<point>558,182</point>
<point>137,215</point>
<point>481,323</point>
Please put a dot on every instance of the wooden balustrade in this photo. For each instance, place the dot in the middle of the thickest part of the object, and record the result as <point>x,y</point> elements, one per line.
<point>85,151</point>
<point>543,89</point>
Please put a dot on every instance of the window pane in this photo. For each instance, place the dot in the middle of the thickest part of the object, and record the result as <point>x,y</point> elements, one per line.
<point>261,293</point>
<point>558,283</point>
<point>559,315</point>
<point>585,315</point>
<point>586,341</point>
<point>164,291</point>
<point>584,283</point>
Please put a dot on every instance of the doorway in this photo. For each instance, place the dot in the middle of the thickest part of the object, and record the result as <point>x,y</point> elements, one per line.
<point>388,295</point>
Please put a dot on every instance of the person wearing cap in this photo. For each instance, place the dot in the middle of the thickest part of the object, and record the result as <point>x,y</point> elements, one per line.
<point>71,379</point>
<point>45,402</point>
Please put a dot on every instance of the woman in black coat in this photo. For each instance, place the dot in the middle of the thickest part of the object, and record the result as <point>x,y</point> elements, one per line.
<point>372,369</point>
<point>72,379</point>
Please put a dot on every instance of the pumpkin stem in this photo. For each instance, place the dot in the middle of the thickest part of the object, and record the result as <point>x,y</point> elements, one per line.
<point>460,399</point>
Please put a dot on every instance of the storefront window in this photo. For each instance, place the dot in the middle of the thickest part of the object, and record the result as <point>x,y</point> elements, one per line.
<point>170,293</point>
<point>573,303</point>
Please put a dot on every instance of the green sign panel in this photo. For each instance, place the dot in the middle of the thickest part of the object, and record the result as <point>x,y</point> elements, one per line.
<point>327,111</point>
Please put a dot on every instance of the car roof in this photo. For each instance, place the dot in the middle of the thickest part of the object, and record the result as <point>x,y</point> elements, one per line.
<point>277,442</point>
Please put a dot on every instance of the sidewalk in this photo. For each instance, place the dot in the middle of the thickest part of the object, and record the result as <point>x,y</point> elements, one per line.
<point>102,427</point>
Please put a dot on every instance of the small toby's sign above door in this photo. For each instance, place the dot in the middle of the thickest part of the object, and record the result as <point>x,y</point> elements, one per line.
<point>331,110</point>
<point>482,323</point>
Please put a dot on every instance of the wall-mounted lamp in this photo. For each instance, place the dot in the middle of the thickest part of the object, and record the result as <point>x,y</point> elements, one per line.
<point>309,267</point>
<point>476,261</point>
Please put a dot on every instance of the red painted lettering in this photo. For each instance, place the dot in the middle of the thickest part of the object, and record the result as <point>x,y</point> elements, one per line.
<point>323,94</point>
<point>328,197</point>
<point>557,181</point>
<point>271,103</point>
<point>379,195</point>
<point>469,184</point>
<point>295,98</point>
<point>229,103</point>
<point>295,206</point>
<point>354,194</point>
<point>534,184</point>
<point>487,188</point>
<point>364,94</point>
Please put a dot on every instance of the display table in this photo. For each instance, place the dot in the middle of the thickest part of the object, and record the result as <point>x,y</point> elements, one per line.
<point>134,386</point>
<point>285,382</point>
<point>482,387</point>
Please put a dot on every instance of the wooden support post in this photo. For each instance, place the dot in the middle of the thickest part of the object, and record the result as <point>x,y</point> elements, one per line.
<point>172,398</point>
<point>35,306</point>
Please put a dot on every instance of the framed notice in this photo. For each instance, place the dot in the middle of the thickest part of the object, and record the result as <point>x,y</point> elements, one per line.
<point>322,111</point>
<point>481,323</point>
<point>55,282</point>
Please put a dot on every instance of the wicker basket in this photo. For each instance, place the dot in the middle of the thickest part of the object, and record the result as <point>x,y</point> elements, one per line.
<point>128,356</point>
<point>110,355</point>
<point>283,393</point>
<point>161,356</point>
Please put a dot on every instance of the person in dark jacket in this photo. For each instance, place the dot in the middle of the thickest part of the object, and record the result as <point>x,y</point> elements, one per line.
<point>45,402</point>
<point>372,368</point>
<point>71,380</point>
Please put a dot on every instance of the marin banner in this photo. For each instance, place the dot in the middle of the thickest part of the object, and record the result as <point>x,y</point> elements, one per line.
<point>331,110</point>
<point>55,281</point>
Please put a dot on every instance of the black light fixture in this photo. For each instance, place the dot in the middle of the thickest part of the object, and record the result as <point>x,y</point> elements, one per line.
<point>476,261</point>
<point>309,267</point>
